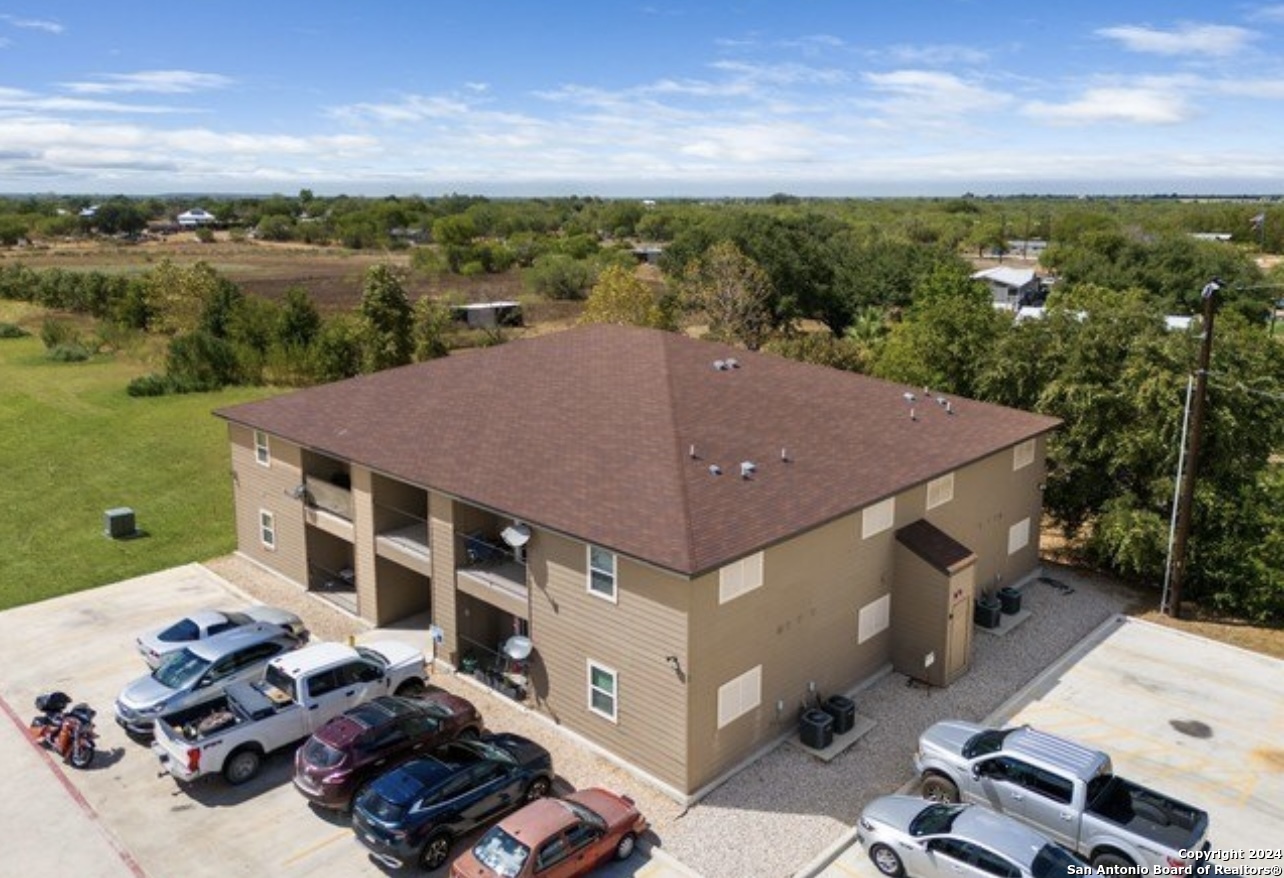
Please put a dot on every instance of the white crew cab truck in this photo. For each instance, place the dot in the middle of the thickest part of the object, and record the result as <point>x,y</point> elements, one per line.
<point>297,693</point>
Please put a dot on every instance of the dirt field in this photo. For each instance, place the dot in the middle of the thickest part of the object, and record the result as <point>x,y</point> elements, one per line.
<point>331,276</point>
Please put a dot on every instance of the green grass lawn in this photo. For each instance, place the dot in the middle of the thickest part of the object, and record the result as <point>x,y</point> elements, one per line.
<point>73,444</point>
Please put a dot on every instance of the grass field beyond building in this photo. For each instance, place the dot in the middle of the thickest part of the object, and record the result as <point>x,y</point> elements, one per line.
<point>74,444</point>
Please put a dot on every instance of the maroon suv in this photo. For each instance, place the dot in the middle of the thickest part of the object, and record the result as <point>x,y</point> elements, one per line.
<point>364,742</point>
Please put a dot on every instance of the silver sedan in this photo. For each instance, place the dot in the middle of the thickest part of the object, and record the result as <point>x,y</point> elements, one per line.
<point>904,835</point>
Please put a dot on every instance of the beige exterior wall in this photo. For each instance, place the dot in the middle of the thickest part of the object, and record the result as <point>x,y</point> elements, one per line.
<point>990,497</point>
<point>631,636</point>
<point>441,537</point>
<point>257,487</point>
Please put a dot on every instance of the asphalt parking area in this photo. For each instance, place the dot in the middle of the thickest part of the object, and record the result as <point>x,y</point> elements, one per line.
<point>121,818</point>
<point>1194,718</point>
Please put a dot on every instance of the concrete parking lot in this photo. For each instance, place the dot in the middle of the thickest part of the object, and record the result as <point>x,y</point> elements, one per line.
<point>119,818</point>
<point>1194,718</point>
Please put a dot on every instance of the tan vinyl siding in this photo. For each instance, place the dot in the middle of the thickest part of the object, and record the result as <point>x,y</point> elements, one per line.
<point>800,626</point>
<point>990,497</point>
<point>441,536</point>
<point>257,487</point>
<point>632,637</point>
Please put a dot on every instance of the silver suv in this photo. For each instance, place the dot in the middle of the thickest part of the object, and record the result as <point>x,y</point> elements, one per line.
<point>200,672</point>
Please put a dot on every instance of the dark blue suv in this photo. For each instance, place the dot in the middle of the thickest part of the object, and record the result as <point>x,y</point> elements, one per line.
<point>414,813</point>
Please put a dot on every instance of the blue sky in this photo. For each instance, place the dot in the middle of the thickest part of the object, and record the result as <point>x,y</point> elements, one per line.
<point>644,99</point>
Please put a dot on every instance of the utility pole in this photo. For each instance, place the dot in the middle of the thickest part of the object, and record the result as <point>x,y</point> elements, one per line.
<point>1177,563</point>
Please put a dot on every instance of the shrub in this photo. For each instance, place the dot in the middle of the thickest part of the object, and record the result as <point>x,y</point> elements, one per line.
<point>199,361</point>
<point>12,330</point>
<point>149,385</point>
<point>54,332</point>
<point>69,352</point>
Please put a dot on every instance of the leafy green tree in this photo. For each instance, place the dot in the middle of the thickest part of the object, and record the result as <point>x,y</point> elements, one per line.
<point>178,295</point>
<point>620,297</point>
<point>299,321</point>
<point>559,276</point>
<point>733,292</point>
<point>433,322</point>
<point>387,319</point>
<point>12,230</point>
<point>119,215</point>
<point>198,361</point>
<point>944,335</point>
<point>337,353</point>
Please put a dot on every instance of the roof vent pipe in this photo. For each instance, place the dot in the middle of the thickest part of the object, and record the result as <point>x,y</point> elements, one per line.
<point>784,455</point>
<point>691,452</point>
<point>715,470</point>
<point>747,469</point>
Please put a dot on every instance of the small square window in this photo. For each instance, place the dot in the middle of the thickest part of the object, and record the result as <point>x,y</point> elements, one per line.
<point>602,690</point>
<point>267,529</point>
<point>601,575</point>
<point>262,452</point>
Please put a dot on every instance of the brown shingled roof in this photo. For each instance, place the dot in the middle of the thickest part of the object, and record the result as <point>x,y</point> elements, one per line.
<point>589,432</point>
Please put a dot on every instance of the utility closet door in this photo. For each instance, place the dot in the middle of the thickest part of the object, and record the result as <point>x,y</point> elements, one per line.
<point>959,640</point>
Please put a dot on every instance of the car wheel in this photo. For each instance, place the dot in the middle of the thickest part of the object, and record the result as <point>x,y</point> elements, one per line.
<point>411,688</point>
<point>436,851</point>
<point>241,766</point>
<point>625,848</point>
<point>1110,861</point>
<point>538,789</point>
<point>938,788</point>
<point>886,861</point>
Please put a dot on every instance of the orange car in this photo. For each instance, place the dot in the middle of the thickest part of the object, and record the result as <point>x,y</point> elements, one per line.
<point>556,838</point>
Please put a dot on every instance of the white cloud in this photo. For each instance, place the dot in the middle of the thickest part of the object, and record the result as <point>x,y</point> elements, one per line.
<point>929,93</point>
<point>1146,106</point>
<point>1218,40</point>
<point>151,81</point>
<point>935,56</point>
<point>45,25</point>
<point>1274,12</point>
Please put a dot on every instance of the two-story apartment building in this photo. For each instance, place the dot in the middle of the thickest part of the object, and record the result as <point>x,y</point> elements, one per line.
<point>694,538</point>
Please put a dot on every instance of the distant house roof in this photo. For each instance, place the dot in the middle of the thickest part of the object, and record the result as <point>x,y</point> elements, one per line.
<point>1006,276</point>
<point>612,435</point>
<point>195,217</point>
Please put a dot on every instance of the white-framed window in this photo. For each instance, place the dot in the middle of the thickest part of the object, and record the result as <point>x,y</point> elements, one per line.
<point>940,491</point>
<point>267,529</point>
<point>1018,536</point>
<point>601,573</point>
<point>874,618</point>
<point>739,696</point>
<point>262,451</point>
<point>877,518</point>
<point>1023,454</point>
<point>603,690</point>
<point>739,577</point>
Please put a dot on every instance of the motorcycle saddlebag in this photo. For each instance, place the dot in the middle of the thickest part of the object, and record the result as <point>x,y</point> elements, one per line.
<point>52,702</point>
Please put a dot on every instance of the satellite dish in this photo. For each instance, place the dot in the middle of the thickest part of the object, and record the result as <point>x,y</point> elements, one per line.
<point>518,648</point>
<point>516,535</point>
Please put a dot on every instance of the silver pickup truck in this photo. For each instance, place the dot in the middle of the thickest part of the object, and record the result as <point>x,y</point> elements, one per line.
<point>1065,790</point>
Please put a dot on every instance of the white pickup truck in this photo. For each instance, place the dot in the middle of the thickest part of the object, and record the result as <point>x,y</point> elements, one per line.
<point>296,695</point>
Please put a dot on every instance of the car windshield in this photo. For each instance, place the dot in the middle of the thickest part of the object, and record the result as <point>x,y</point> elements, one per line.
<point>986,742</point>
<point>935,819</point>
<point>180,632</point>
<point>1054,861</point>
<point>321,754</point>
<point>490,752</point>
<point>377,657</point>
<point>180,668</point>
<point>237,619</point>
<point>501,853</point>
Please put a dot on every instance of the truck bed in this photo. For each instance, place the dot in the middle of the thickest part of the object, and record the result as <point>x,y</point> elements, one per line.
<point>242,703</point>
<point>1149,814</point>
